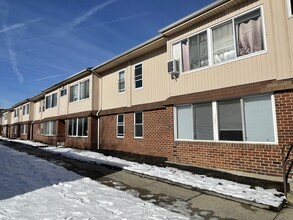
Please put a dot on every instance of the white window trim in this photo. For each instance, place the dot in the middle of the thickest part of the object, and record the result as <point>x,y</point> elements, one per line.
<point>25,129</point>
<point>25,109</point>
<point>117,124</point>
<point>210,45</point>
<point>50,132</point>
<point>124,70</point>
<point>51,94</point>
<point>141,75</point>
<point>216,126</point>
<point>142,123</point>
<point>78,90</point>
<point>77,136</point>
<point>290,13</point>
<point>62,89</point>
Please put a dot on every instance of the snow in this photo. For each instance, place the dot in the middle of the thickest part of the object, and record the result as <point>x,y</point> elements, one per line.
<point>32,188</point>
<point>270,197</point>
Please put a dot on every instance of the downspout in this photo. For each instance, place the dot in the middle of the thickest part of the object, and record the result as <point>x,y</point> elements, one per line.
<point>31,130</point>
<point>98,136</point>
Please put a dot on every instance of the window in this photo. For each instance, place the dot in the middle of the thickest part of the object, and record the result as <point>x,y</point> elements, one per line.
<point>49,128</point>
<point>15,129</point>
<point>290,7</point>
<point>138,124</point>
<point>23,129</point>
<point>230,120</point>
<point>120,125</point>
<point>25,109</point>
<point>239,36</point>
<point>79,91</point>
<point>249,119</point>
<point>63,92</point>
<point>78,127</point>
<point>138,76</point>
<point>16,112</point>
<point>121,81</point>
<point>51,101</point>
<point>5,116</point>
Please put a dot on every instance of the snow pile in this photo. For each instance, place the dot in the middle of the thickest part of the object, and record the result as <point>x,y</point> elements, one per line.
<point>270,197</point>
<point>260,195</point>
<point>31,143</point>
<point>32,188</point>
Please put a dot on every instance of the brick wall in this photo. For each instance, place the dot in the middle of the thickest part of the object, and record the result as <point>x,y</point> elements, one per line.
<point>158,133</point>
<point>89,142</point>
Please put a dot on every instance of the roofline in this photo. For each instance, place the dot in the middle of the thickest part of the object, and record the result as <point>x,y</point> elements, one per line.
<point>129,51</point>
<point>195,14</point>
<point>72,77</point>
<point>21,103</point>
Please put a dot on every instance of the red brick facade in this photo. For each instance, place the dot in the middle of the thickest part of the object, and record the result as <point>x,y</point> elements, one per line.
<point>158,140</point>
<point>157,133</point>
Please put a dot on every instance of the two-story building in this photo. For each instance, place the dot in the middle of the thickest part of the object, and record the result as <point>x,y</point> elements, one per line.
<point>65,113</point>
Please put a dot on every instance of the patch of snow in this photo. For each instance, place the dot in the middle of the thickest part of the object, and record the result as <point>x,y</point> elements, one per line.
<point>32,188</point>
<point>270,197</point>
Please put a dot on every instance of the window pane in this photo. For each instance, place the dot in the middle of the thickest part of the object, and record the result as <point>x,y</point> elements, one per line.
<point>48,102</point>
<point>291,4</point>
<point>138,76</point>
<point>223,42</point>
<point>70,126</point>
<point>80,123</point>
<point>74,124</point>
<point>259,125</point>
<point>203,121</point>
<point>198,51</point>
<point>138,131</point>
<point>249,33</point>
<point>73,93</point>
<point>230,121</point>
<point>138,117</point>
<point>84,89</point>
<point>121,82</point>
<point>184,122</point>
<point>54,100</point>
<point>85,127</point>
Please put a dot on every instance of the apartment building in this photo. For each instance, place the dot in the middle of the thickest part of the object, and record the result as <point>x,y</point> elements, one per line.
<point>5,122</point>
<point>212,90</point>
<point>65,113</point>
<point>225,103</point>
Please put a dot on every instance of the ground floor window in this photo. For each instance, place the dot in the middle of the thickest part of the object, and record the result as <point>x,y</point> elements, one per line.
<point>250,119</point>
<point>120,125</point>
<point>4,131</point>
<point>23,129</point>
<point>78,127</point>
<point>138,125</point>
<point>49,128</point>
<point>15,129</point>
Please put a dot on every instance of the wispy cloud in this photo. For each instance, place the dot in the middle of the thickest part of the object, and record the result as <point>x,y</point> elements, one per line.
<point>18,25</point>
<point>13,60</point>
<point>88,14</point>
<point>48,77</point>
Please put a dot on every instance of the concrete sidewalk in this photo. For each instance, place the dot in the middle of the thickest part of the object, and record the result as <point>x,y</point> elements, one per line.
<point>194,204</point>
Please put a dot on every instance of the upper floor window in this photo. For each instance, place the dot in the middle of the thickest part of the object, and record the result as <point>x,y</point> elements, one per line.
<point>121,81</point>
<point>51,101</point>
<point>5,116</point>
<point>138,76</point>
<point>290,7</point>
<point>25,109</point>
<point>79,91</point>
<point>239,36</point>
<point>16,112</point>
<point>63,92</point>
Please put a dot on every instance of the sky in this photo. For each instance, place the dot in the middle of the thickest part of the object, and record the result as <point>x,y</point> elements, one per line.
<point>44,42</point>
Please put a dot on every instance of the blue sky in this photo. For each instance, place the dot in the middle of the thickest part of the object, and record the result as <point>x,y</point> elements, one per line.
<point>45,41</point>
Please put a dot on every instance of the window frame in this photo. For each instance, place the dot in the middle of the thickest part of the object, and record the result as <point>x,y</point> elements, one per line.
<point>23,129</point>
<point>77,127</point>
<point>51,98</point>
<point>78,84</point>
<point>135,124</point>
<point>63,91</point>
<point>25,109</point>
<point>52,129</point>
<point>216,123</point>
<point>210,43</point>
<point>121,91</point>
<point>15,130</point>
<point>120,124</point>
<point>290,8</point>
<point>134,80</point>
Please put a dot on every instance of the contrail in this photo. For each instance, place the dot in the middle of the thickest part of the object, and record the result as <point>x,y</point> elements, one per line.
<point>48,77</point>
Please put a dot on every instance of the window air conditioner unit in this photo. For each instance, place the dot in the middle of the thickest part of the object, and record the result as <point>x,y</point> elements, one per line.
<point>173,68</point>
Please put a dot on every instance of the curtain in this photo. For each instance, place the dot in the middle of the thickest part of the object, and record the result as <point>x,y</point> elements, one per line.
<point>185,55</point>
<point>250,37</point>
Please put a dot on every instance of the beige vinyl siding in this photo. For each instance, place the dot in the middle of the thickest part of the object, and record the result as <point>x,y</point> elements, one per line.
<point>37,115</point>
<point>83,104</point>
<point>63,102</point>
<point>272,63</point>
<point>154,76</point>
